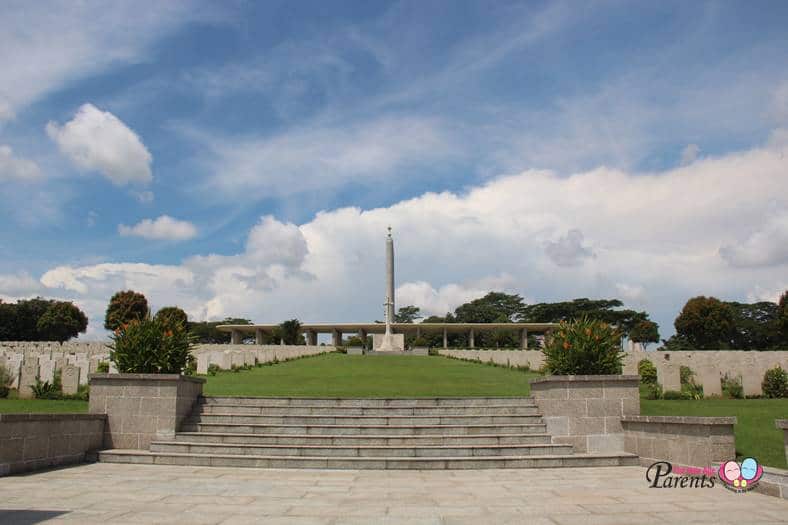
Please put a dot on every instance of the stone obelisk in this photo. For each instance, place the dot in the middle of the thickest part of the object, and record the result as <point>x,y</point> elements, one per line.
<point>390,277</point>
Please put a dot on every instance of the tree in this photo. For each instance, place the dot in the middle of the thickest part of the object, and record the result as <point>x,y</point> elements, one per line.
<point>8,323</point>
<point>493,307</point>
<point>645,332</point>
<point>206,332</point>
<point>707,323</point>
<point>173,316</point>
<point>61,321</point>
<point>124,307</point>
<point>289,332</point>
<point>606,310</point>
<point>407,314</point>
<point>757,325</point>
<point>28,312</point>
<point>782,319</point>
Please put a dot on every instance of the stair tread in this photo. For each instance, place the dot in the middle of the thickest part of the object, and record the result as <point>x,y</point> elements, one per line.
<point>367,416</point>
<point>324,425</point>
<point>389,447</point>
<point>366,436</point>
<point>528,405</point>
<point>131,452</point>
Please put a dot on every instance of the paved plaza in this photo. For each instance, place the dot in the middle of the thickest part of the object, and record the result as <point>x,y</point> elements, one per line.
<point>109,493</point>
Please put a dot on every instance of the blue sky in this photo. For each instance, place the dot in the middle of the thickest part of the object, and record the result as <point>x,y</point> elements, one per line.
<point>243,158</point>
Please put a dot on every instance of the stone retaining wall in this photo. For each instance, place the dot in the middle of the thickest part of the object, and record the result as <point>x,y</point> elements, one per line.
<point>142,407</point>
<point>586,411</point>
<point>36,441</point>
<point>682,440</point>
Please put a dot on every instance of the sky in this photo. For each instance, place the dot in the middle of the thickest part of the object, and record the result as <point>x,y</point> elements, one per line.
<point>245,158</point>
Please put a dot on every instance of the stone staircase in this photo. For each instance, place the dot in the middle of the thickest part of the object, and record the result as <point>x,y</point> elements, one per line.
<point>442,433</point>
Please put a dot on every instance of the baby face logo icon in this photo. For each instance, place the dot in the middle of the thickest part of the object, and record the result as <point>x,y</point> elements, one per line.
<point>740,477</point>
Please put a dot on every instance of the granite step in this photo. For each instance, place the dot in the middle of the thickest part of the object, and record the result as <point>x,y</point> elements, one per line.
<point>365,430</point>
<point>381,463</point>
<point>384,420</point>
<point>370,440</point>
<point>316,410</point>
<point>366,402</point>
<point>455,451</point>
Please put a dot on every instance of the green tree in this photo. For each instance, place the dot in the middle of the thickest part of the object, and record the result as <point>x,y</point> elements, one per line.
<point>645,332</point>
<point>28,312</point>
<point>289,332</point>
<point>493,307</point>
<point>757,325</point>
<point>172,316</point>
<point>207,333</point>
<point>9,330</point>
<point>61,321</point>
<point>606,310</point>
<point>407,314</point>
<point>707,323</point>
<point>782,319</point>
<point>124,307</point>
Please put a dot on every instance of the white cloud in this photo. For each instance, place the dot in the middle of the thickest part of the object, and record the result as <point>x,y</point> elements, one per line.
<point>569,249</point>
<point>13,168</point>
<point>18,285</point>
<point>781,102</point>
<point>145,197</point>
<point>97,140</point>
<point>768,246</point>
<point>324,156</point>
<point>162,228</point>
<point>45,45</point>
<point>657,240</point>
<point>689,154</point>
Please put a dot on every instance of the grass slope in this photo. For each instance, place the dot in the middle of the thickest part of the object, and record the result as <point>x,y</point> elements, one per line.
<point>756,435</point>
<point>339,375</point>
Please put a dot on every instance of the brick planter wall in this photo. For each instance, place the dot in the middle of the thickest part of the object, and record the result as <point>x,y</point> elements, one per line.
<point>586,411</point>
<point>36,441</point>
<point>688,441</point>
<point>142,407</point>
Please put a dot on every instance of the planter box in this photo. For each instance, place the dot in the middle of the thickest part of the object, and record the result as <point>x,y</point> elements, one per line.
<point>586,411</point>
<point>141,408</point>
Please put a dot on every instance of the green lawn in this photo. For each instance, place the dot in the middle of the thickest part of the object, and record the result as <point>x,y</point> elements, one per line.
<point>25,406</point>
<point>339,375</point>
<point>756,435</point>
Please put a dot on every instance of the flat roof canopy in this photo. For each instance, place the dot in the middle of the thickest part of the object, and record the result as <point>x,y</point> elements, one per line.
<point>371,328</point>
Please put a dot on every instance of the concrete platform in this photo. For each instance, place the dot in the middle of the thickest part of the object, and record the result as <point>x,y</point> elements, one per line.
<point>113,493</point>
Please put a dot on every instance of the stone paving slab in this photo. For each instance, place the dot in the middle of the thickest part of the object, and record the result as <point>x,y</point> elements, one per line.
<point>115,493</point>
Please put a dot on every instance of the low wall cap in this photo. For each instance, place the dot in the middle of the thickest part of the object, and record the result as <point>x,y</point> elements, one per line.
<point>10,418</point>
<point>575,379</point>
<point>681,420</point>
<point>147,377</point>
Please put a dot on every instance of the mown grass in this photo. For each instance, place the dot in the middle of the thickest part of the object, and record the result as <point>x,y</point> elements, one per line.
<point>340,375</point>
<point>756,435</point>
<point>28,406</point>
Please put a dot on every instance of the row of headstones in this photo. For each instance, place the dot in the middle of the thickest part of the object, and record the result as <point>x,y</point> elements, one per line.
<point>38,347</point>
<point>75,369</point>
<point>228,356</point>
<point>534,359</point>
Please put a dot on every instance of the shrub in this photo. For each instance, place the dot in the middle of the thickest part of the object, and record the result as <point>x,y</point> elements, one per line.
<point>5,381</point>
<point>47,390</point>
<point>775,383</point>
<point>651,390</point>
<point>688,385</point>
<point>674,395</point>
<point>647,372</point>
<point>420,342</point>
<point>149,346</point>
<point>213,369</point>
<point>731,387</point>
<point>583,346</point>
<point>102,367</point>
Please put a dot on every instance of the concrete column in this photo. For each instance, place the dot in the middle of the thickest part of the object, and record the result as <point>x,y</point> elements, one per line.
<point>470,340</point>
<point>235,337</point>
<point>337,337</point>
<point>258,336</point>
<point>445,339</point>
<point>281,342</point>
<point>362,334</point>
<point>524,339</point>
<point>311,338</point>
<point>418,332</point>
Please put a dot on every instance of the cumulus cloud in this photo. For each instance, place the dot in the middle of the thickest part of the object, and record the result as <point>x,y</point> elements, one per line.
<point>767,246</point>
<point>569,249</point>
<point>5,111</point>
<point>18,285</point>
<point>13,168</point>
<point>163,228</point>
<point>97,140</point>
<point>657,240</point>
